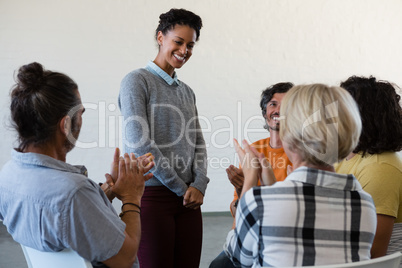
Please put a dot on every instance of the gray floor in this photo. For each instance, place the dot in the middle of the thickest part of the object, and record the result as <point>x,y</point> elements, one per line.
<point>216,227</point>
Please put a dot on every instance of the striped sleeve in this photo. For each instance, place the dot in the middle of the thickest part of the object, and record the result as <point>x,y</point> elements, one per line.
<point>242,242</point>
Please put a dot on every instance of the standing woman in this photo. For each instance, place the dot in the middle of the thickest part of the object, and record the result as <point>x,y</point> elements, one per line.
<point>160,117</point>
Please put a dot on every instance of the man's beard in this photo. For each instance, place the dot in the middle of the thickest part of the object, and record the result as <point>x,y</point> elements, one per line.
<point>273,128</point>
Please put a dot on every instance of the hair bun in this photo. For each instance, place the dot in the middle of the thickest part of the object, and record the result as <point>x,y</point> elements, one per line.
<point>30,76</point>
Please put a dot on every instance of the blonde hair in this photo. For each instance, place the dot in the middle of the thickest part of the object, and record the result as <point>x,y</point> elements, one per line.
<point>320,123</point>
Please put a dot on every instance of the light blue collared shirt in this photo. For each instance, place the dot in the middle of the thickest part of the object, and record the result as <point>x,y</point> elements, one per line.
<point>50,205</point>
<point>156,70</point>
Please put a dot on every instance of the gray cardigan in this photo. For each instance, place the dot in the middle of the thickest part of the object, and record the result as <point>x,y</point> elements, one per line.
<point>162,119</point>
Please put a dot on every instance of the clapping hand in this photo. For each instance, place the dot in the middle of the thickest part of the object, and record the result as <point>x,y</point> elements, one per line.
<point>145,161</point>
<point>255,165</point>
<point>236,178</point>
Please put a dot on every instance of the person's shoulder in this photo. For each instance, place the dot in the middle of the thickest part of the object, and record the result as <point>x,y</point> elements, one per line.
<point>136,81</point>
<point>7,167</point>
<point>68,181</point>
<point>277,187</point>
<point>47,185</point>
<point>287,183</point>
<point>72,187</point>
<point>391,158</point>
<point>261,143</point>
<point>270,193</point>
<point>383,161</point>
<point>136,74</point>
<point>186,87</point>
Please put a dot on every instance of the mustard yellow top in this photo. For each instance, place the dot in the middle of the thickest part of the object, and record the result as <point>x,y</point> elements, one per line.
<point>381,176</point>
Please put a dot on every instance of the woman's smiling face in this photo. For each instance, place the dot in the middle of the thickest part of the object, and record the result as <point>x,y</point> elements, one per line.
<point>175,47</point>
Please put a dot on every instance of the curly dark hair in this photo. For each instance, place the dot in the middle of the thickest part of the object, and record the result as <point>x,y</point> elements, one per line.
<point>269,92</point>
<point>381,114</point>
<point>39,100</point>
<point>168,20</point>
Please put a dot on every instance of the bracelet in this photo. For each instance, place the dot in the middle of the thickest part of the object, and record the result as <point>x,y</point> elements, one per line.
<point>122,214</point>
<point>131,204</point>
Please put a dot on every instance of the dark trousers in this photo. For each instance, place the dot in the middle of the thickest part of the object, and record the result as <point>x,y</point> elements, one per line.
<point>222,261</point>
<point>171,234</point>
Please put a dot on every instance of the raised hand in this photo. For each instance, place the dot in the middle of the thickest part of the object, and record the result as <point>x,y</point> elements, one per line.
<point>130,183</point>
<point>114,168</point>
<point>147,162</point>
<point>112,177</point>
<point>107,187</point>
<point>250,165</point>
<point>267,173</point>
<point>236,178</point>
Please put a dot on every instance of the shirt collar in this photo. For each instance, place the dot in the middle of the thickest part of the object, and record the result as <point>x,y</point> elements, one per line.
<point>156,70</point>
<point>344,182</point>
<point>47,161</point>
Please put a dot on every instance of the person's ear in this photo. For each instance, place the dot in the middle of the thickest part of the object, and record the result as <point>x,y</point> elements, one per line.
<point>65,125</point>
<point>159,38</point>
<point>264,113</point>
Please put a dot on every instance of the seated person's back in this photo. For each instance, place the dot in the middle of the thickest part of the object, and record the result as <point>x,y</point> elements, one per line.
<point>311,218</point>
<point>375,161</point>
<point>49,205</point>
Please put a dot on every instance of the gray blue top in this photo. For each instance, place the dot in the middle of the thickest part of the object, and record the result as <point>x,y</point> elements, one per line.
<point>160,117</point>
<point>50,205</point>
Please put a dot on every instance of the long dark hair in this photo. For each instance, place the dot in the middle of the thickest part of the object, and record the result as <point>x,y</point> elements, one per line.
<point>39,100</point>
<point>381,114</point>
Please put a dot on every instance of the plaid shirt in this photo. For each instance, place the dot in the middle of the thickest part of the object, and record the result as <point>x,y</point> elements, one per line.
<point>314,217</point>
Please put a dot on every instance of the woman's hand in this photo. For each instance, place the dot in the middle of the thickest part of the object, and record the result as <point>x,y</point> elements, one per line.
<point>255,165</point>
<point>267,173</point>
<point>250,165</point>
<point>193,198</point>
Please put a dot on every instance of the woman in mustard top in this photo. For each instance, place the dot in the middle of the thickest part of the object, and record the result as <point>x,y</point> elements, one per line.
<point>375,162</point>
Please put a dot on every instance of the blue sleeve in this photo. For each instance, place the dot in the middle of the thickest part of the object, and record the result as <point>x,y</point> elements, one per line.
<point>93,228</point>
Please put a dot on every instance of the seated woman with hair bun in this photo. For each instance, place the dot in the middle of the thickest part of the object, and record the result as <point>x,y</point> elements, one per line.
<point>315,216</point>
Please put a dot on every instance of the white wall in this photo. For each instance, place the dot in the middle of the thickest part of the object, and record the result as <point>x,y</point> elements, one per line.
<point>245,46</point>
